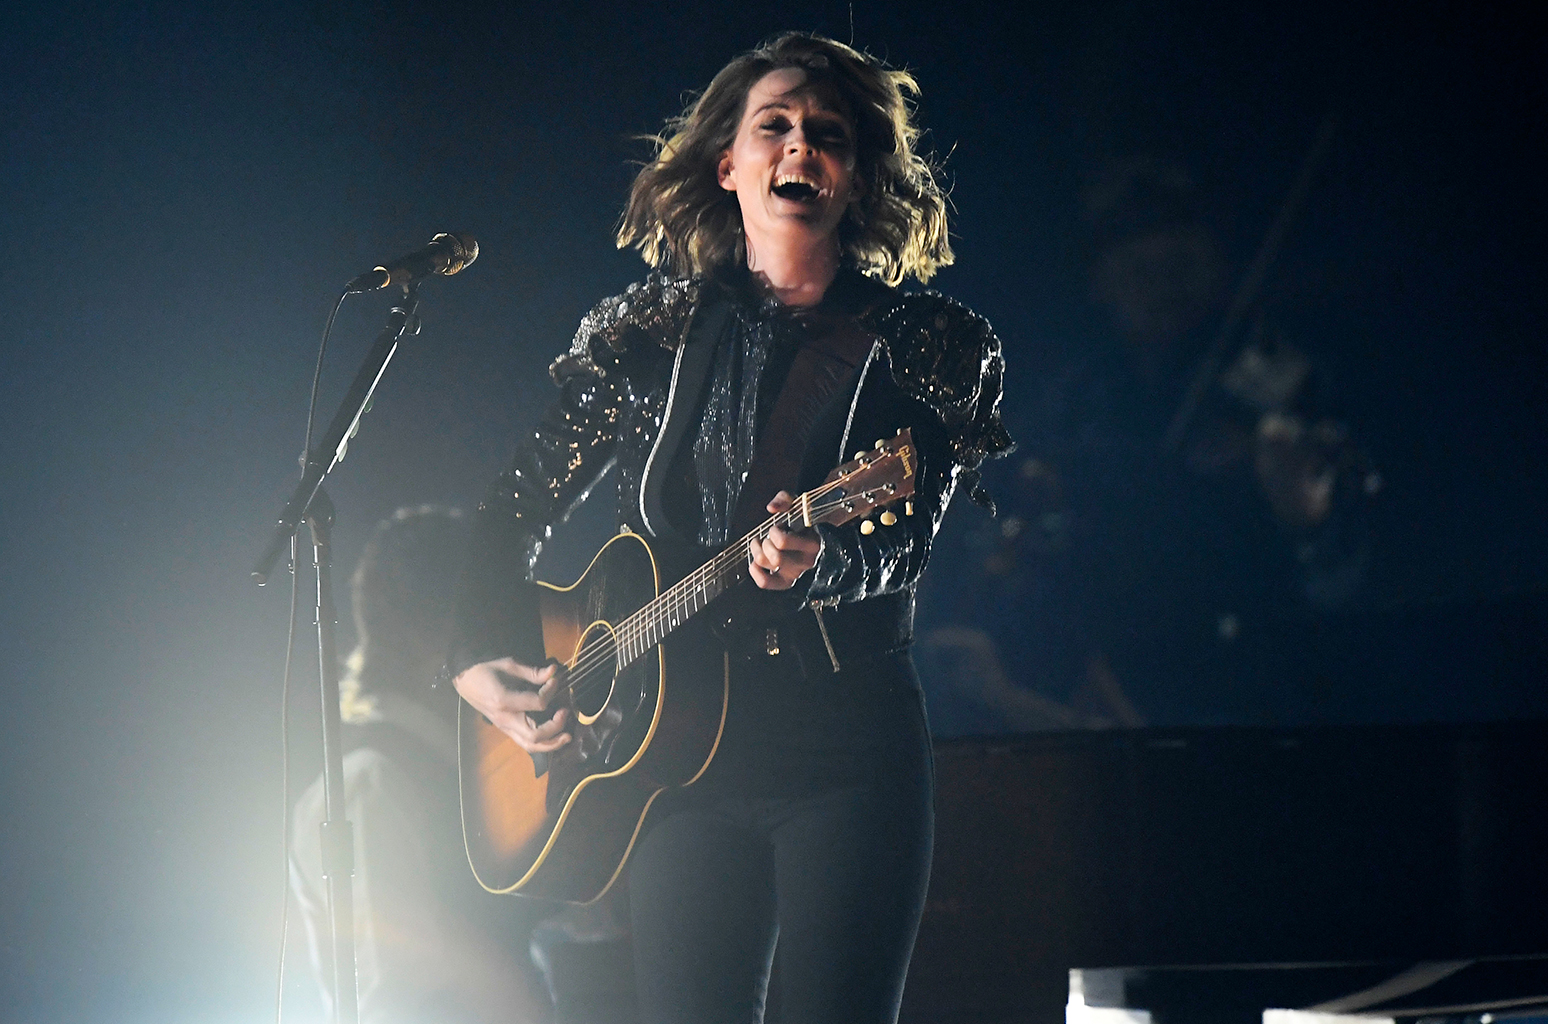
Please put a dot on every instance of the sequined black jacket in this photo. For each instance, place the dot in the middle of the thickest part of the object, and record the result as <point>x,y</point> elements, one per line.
<point>935,367</point>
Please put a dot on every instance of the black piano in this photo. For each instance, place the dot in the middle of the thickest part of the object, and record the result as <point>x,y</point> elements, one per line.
<point>1205,874</point>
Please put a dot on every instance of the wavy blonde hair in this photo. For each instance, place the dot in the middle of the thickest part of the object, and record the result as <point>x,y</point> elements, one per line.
<point>679,215</point>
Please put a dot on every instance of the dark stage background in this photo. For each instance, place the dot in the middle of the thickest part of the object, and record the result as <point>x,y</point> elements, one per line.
<point>183,190</point>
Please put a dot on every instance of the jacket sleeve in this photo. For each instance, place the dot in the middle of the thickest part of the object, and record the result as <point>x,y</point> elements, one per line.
<point>556,466</point>
<point>854,566</point>
<point>946,361</point>
<point>552,471</point>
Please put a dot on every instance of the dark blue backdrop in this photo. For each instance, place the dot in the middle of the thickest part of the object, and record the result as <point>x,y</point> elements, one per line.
<point>183,191</point>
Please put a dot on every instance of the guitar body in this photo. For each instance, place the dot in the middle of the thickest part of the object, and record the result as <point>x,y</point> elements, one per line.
<point>565,832</point>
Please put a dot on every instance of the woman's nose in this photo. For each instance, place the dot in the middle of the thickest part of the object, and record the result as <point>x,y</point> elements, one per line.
<point>797,143</point>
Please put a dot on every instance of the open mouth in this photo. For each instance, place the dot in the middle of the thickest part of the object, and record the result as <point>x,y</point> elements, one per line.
<point>797,189</point>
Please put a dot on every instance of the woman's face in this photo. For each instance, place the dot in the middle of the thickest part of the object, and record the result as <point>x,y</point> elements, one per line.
<point>792,165</point>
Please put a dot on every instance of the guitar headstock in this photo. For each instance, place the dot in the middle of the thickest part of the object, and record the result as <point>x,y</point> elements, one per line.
<point>869,481</point>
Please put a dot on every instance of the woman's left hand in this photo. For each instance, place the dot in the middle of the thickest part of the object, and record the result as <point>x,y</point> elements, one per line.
<point>781,557</point>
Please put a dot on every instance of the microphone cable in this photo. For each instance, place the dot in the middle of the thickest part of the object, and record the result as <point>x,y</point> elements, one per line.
<point>290,648</point>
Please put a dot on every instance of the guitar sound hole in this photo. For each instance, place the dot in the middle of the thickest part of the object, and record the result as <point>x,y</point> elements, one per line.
<point>593,673</point>
<point>592,695</point>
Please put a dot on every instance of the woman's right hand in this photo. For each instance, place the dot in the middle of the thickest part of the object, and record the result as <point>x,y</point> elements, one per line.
<point>495,690</point>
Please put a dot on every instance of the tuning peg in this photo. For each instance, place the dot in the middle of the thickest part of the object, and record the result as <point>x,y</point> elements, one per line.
<point>867,527</point>
<point>908,508</point>
<point>881,443</point>
<point>861,455</point>
<point>889,518</point>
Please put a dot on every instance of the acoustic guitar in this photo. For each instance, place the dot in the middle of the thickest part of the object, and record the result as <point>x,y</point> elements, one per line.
<point>649,685</point>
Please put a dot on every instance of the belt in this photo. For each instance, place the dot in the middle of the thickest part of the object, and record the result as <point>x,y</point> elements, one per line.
<point>828,636</point>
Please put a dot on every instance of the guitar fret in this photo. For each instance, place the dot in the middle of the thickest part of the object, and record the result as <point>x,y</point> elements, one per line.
<point>641,632</point>
<point>676,605</point>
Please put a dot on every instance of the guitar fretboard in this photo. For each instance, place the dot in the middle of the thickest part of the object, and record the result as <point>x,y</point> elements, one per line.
<point>642,631</point>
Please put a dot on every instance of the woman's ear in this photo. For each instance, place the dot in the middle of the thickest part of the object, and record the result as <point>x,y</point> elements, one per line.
<point>723,172</point>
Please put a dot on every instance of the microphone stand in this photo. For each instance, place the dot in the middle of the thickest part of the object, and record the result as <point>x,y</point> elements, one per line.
<point>309,503</point>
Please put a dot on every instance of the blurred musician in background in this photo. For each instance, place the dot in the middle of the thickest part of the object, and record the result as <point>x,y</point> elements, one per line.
<point>1149,541</point>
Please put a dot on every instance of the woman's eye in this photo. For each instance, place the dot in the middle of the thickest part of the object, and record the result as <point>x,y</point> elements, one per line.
<point>832,134</point>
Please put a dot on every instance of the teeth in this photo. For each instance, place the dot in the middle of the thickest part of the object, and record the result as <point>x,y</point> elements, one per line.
<point>798,179</point>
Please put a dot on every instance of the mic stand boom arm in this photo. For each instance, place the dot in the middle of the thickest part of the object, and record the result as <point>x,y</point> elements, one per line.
<point>310,504</point>
<point>330,449</point>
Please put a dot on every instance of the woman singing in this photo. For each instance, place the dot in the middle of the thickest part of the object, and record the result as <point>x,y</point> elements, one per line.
<point>781,212</point>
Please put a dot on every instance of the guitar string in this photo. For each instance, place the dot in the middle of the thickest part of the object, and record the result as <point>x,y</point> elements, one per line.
<point>637,626</point>
<point>633,634</point>
<point>634,631</point>
<point>679,598</point>
<point>683,598</point>
<point>596,654</point>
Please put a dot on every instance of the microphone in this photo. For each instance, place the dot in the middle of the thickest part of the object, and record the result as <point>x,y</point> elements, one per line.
<point>446,255</point>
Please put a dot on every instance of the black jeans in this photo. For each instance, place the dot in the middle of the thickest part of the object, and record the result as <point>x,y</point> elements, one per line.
<point>834,871</point>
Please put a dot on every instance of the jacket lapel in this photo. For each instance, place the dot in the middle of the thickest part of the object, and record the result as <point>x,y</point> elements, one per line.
<point>689,371</point>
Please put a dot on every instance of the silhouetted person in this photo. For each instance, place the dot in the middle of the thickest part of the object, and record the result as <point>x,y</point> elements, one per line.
<point>431,945</point>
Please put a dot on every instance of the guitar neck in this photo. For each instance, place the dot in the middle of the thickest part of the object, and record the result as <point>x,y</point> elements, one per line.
<point>870,480</point>
<point>646,628</point>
